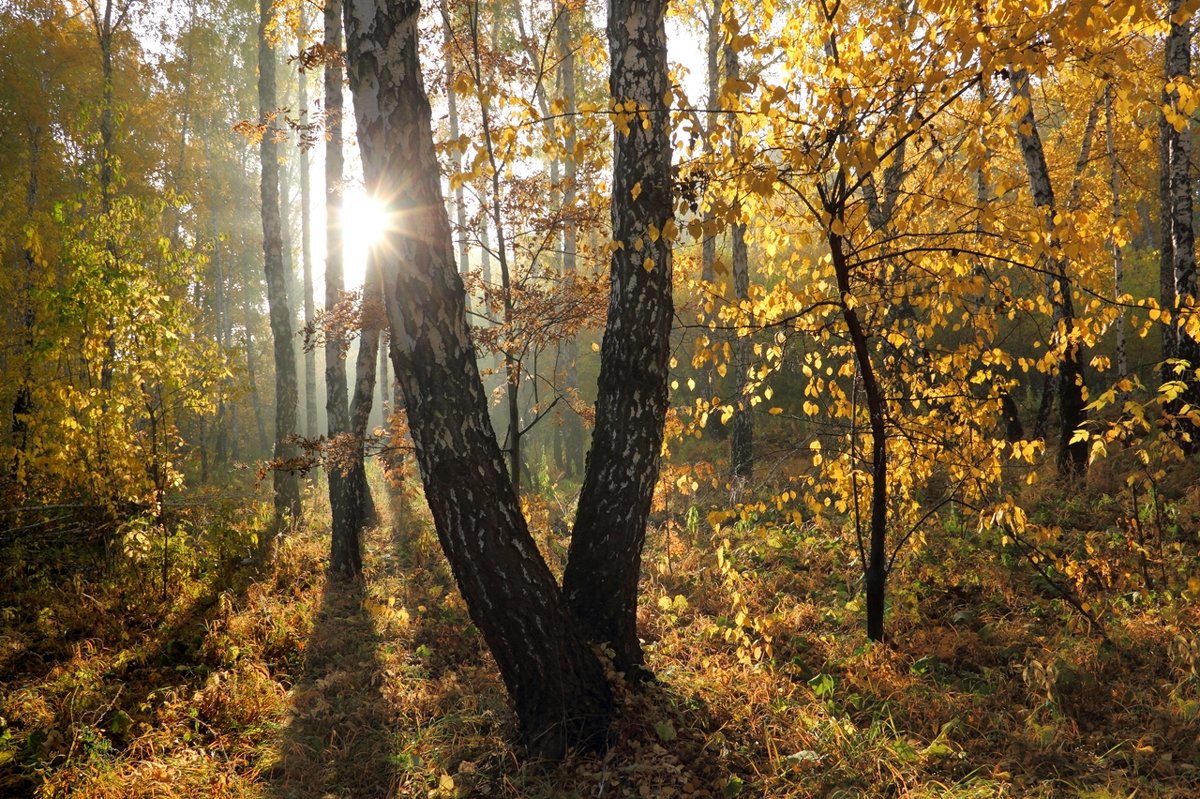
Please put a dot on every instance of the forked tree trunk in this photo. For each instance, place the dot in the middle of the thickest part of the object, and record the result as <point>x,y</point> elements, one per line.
<point>604,561</point>
<point>286,484</point>
<point>556,683</point>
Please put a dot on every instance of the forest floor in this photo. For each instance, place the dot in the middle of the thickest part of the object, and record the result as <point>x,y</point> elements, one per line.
<point>278,683</point>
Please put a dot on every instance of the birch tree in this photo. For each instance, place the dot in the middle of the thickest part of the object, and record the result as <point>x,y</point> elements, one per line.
<point>557,685</point>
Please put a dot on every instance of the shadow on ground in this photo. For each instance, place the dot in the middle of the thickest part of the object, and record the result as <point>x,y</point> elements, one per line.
<point>336,741</point>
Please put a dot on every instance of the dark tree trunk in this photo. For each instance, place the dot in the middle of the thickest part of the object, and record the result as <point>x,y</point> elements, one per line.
<point>23,404</point>
<point>345,553</point>
<point>1114,188</point>
<point>1177,270</point>
<point>1072,457</point>
<point>604,562</point>
<point>374,317</point>
<point>1013,429</point>
<point>287,486</point>
<point>875,574</point>
<point>556,683</point>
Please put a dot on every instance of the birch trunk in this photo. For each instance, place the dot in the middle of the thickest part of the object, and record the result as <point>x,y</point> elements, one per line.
<point>286,484</point>
<point>556,683</point>
<point>345,554</point>
<point>604,561</point>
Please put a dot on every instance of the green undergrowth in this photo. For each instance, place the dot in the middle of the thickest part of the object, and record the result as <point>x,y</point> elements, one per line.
<point>275,682</point>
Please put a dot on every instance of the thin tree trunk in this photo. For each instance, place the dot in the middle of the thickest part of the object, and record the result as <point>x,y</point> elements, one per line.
<point>512,366</point>
<point>23,404</point>
<point>1177,271</point>
<point>573,434</point>
<point>311,423</point>
<point>1072,457</point>
<point>345,552</point>
<point>460,205</point>
<point>557,685</point>
<point>875,574</point>
<point>221,310</point>
<point>105,26</point>
<point>252,378</point>
<point>604,561</point>
<point>1114,186</point>
<point>295,290</point>
<point>708,245</point>
<point>374,317</point>
<point>741,442</point>
<point>286,484</point>
<point>385,394</point>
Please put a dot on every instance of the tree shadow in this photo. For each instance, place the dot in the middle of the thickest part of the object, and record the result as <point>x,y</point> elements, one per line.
<point>336,741</point>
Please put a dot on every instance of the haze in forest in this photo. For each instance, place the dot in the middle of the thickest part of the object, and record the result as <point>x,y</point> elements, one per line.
<point>560,398</point>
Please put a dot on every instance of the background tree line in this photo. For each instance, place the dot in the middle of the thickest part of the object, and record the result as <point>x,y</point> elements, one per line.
<point>892,260</point>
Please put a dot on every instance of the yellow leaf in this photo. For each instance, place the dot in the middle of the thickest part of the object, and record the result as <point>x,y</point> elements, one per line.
<point>636,190</point>
<point>647,264</point>
<point>775,411</point>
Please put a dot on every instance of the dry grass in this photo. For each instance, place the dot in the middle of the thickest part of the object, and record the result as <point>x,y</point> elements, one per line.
<point>280,684</point>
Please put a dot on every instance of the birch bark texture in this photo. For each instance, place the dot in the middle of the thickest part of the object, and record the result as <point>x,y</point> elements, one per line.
<point>604,560</point>
<point>557,685</point>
